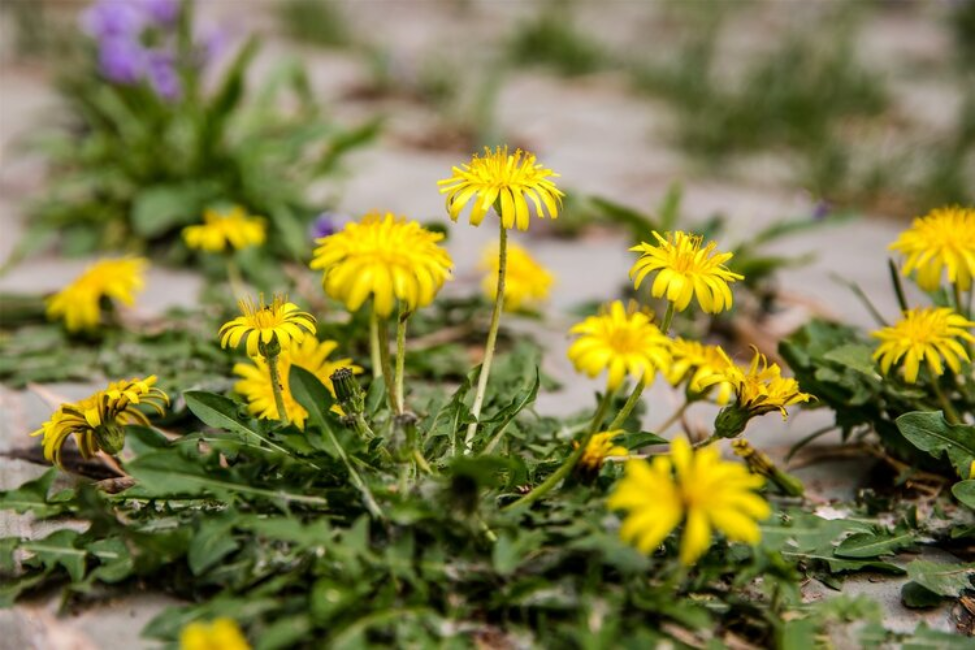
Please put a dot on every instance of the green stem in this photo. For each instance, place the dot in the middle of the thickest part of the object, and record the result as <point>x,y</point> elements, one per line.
<point>664,426</point>
<point>707,441</point>
<point>896,283</point>
<point>668,317</point>
<point>957,294</point>
<point>401,354</point>
<point>951,415</point>
<point>601,410</point>
<point>384,345</point>
<point>563,470</point>
<point>496,315</point>
<point>234,277</point>
<point>374,344</point>
<point>276,389</point>
<point>553,479</point>
<point>618,422</point>
<point>357,480</point>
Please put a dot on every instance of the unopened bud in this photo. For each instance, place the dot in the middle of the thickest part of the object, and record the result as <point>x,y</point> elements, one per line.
<point>348,392</point>
<point>761,464</point>
<point>110,437</point>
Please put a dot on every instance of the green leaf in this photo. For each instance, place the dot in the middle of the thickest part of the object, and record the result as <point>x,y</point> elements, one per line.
<point>944,579</point>
<point>930,432</point>
<point>161,208</point>
<point>510,551</point>
<point>855,356</point>
<point>166,474</point>
<point>641,439</point>
<point>212,543</point>
<point>224,413</point>
<point>963,490</point>
<point>312,394</point>
<point>868,545</point>
<point>926,638</point>
<point>58,549</point>
<point>916,596</point>
<point>33,497</point>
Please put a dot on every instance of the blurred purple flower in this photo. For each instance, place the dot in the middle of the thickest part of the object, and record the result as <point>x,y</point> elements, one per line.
<point>327,223</point>
<point>122,60</point>
<point>162,12</point>
<point>162,74</point>
<point>822,210</point>
<point>113,18</point>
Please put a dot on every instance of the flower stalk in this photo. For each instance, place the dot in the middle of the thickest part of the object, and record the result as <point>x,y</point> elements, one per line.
<point>496,314</point>
<point>401,354</point>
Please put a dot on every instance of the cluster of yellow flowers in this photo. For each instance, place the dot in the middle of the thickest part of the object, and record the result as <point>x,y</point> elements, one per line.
<point>941,241</point>
<point>396,266</point>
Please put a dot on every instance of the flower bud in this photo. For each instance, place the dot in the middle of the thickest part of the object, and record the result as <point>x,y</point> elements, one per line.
<point>110,437</point>
<point>348,392</point>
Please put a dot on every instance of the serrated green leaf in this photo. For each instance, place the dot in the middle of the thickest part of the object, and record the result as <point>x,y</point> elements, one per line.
<point>868,545</point>
<point>930,432</point>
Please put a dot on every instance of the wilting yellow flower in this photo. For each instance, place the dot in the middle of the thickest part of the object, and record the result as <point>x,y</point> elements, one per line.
<point>697,362</point>
<point>220,230</point>
<point>271,326</point>
<point>506,179</point>
<point>942,239</point>
<point>526,281</point>
<point>762,388</point>
<point>79,303</point>
<point>597,449</point>
<point>621,342</point>
<point>97,421</point>
<point>221,634</point>
<point>388,258</point>
<point>696,487</point>
<point>928,334</point>
<point>310,354</point>
<point>684,270</point>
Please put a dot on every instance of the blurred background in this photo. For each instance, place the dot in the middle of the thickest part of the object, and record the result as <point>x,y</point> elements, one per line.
<point>843,119</point>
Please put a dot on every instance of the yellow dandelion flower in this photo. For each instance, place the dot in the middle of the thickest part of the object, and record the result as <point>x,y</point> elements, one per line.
<point>269,326</point>
<point>942,239</point>
<point>694,487</point>
<point>221,634</point>
<point>308,353</point>
<point>762,388</point>
<point>79,303</point>
<point>622,342</point>
<point>930,334</point>
<point>97,421</point>
<point>598,449</point>
<point>388,258</point>
<point>696,362</point>
<point>526,281</point>
<point>686,269</point>
<point>221,230</point>
<point>505,181</point>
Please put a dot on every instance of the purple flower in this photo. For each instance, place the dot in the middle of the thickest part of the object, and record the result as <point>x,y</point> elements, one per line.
<point>122,60</point>
<point>162,12</point>
<point>113,18</point>
<point>162,74</point>
<point>822,210</point>
<point>327,223</point>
